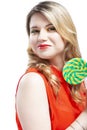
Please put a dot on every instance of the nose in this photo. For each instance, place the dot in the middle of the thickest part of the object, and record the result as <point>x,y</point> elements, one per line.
<point>42,35</point>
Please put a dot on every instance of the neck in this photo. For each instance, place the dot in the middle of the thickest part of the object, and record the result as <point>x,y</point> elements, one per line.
<point>58,62</point>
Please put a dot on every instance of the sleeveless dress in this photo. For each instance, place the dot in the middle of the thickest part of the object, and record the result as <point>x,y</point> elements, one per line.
<point>63,110</point>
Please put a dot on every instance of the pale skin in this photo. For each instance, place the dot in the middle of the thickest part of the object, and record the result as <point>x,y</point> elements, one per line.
<point>31,100</point>
<point>43,32</point>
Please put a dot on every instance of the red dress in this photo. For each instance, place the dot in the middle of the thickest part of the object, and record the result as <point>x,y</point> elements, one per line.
<point>63,110</point>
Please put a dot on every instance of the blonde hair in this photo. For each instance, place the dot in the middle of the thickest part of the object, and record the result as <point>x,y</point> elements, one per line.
<point>61,19</point>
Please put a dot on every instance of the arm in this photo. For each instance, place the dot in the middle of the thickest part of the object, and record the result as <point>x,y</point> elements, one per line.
<point>32,104</point>
<point>81,122</point>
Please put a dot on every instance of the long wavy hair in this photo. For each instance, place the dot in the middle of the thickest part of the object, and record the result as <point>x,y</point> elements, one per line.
<point>61,20</point>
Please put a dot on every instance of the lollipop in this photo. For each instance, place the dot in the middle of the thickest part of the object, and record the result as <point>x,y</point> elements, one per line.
<point>75,70</point>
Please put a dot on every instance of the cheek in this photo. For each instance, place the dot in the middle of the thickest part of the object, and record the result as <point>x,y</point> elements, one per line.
<point>31,40</point>
<point>58,41</point>
<point>55,37</point>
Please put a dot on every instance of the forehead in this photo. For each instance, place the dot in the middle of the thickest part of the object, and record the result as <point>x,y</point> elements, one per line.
<point>38,19</point>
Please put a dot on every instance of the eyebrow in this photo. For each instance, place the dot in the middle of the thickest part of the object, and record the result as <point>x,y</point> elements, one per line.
<point>50,24</point>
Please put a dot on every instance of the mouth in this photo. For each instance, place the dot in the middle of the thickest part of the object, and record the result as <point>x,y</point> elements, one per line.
<point>43,46</point>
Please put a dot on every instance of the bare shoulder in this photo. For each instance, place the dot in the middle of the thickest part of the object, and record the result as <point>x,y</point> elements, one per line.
<point>32,102</point>
<point>31,76</point>
<point>31,81</point>
<point>32,85</point>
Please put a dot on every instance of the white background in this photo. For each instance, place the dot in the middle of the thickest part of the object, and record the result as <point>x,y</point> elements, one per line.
<point>13,45</point>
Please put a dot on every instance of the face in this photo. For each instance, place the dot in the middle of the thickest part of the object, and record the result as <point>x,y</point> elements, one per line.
<point>45,41</point>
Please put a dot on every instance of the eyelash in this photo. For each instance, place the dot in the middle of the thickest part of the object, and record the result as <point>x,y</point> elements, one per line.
<point>51,29</point>
<point>35,31</point>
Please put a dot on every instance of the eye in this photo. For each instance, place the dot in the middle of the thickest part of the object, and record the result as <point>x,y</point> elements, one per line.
<point>35,31</point>
<point>51,29</point>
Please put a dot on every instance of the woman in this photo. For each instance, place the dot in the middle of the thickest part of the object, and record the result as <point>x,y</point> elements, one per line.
<point>44,101</point>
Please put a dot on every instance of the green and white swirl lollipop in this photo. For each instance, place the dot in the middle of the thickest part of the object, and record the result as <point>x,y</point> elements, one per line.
<point>75,71</point>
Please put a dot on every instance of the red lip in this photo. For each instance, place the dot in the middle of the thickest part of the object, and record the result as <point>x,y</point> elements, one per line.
<point>43,46</point>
